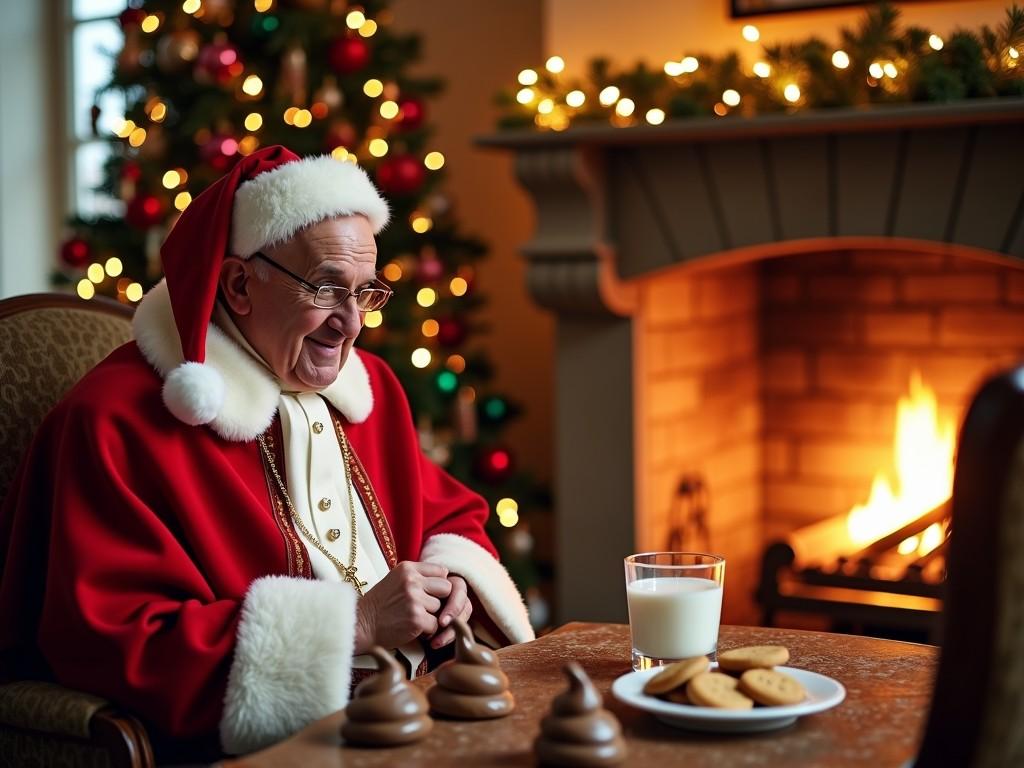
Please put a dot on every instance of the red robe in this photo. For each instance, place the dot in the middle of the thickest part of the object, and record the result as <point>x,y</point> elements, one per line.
<point>134,550</point>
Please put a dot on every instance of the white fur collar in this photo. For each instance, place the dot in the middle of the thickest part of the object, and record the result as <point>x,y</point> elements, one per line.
<point>251,393</point>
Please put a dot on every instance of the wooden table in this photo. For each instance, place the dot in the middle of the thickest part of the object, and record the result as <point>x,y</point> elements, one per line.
<point>888,691</point>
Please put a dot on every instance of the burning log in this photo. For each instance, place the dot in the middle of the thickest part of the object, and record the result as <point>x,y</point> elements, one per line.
<point>819,569</point>
<point>915,527</point>
<point>828,541</point>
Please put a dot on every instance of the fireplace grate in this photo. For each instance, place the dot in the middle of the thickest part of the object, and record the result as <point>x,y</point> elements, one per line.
<point>876,589</point>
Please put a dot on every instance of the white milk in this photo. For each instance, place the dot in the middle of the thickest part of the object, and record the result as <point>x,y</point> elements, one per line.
<point>674,618</point>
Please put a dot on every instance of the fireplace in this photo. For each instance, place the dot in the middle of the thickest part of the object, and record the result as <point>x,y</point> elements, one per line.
<point>741,305</point>
<point>776,383</point>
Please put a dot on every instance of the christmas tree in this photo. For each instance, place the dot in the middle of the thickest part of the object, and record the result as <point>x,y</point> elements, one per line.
<point>208,81</point>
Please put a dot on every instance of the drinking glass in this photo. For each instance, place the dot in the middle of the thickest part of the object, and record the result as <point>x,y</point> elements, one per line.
<point>675,605</point>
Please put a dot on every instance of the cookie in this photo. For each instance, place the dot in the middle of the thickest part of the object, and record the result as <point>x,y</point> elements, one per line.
<point>678,696</point>
<point>753,657</point>
<point>713,689</point>
<point>771,688</point>
<point>674,675</point>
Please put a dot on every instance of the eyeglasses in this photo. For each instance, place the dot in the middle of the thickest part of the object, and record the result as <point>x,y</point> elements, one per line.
<point>327,296</point>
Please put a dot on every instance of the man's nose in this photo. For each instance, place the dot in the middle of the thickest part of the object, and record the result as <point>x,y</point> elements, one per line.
<point>346,317</point>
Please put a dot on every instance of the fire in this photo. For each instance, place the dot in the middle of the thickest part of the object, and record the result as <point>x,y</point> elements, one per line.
<point>923,449</point>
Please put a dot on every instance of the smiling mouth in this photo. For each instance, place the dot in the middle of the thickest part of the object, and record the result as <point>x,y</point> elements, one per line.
<point>325,345</point>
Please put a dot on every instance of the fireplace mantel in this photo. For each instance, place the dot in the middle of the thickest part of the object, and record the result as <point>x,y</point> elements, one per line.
<point>659,195</point>
<point>618,204</point>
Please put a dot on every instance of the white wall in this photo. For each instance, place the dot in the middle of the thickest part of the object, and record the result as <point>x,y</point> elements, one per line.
<point>658,30</point>
<point>29,156</point>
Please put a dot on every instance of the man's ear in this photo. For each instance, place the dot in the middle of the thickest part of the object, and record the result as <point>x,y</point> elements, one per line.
<point>234,285</point>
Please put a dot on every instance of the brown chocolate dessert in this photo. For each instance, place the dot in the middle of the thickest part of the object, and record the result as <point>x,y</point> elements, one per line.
<point>579,731</point>
<point>386,711</point>
<point>472,685</point>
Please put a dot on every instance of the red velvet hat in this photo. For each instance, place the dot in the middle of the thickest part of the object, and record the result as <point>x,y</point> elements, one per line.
<point>263,201</point>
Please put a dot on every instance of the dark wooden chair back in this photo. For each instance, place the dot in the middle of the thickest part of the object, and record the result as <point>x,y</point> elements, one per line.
<point>977,715</point>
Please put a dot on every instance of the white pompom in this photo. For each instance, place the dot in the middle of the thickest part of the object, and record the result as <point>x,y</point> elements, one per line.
<point>194,393</point>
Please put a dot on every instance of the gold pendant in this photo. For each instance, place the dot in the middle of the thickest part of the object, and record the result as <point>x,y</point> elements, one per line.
<point>349,575</point>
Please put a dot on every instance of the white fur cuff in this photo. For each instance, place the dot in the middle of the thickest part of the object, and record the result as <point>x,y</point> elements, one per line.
<point>488,579</point>
<point>293,660</point>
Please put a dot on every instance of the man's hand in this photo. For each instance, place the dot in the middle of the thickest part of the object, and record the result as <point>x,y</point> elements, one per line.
<point>457,606</point>
<point>402,606</point>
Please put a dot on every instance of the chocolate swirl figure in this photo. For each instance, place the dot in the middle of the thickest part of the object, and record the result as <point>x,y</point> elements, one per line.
<point>386,710</point>
<point>472,685</point>
<point>579,731</point>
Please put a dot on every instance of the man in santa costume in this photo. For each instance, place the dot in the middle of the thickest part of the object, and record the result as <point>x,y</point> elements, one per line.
<point>217,523</point>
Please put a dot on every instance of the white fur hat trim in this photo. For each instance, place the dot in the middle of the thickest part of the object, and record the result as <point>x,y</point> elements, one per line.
<point>275,205</point>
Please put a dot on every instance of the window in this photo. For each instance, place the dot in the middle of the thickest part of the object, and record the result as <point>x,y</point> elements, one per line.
<point>95,39</point>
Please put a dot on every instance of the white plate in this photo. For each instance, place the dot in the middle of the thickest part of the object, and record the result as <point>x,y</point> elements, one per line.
<point>822,693</point>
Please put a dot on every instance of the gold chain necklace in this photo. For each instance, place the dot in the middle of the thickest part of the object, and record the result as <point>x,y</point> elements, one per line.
<point>348,572</point>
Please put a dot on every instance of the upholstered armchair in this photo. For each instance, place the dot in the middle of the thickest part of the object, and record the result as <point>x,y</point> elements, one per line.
<point>47,342</point>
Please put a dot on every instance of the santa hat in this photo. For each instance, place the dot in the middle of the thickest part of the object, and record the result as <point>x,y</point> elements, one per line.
<point>265,199</point>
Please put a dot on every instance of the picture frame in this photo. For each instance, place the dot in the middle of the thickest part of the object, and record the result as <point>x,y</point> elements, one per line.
<point>743,8</point>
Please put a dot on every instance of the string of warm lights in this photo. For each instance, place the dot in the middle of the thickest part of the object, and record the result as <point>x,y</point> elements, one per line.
<point>878,63</point>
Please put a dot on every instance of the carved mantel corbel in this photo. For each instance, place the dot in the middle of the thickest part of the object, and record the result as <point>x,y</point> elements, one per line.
<point>571,264</point>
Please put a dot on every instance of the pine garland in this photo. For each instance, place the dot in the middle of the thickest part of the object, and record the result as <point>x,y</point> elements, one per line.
<point>877,63</point>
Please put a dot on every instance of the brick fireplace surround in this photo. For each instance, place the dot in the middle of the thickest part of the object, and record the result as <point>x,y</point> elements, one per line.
<point>777,381</point>
<point>745,300</point>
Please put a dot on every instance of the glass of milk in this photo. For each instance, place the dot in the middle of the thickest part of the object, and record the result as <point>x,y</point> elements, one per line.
<point>675,605</point>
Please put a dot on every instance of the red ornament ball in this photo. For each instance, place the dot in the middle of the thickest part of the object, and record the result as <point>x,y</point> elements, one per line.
<point>75,252</point>
<point>340,134</point>
<point>131,171</point>
<point>411,113</point>
<point>429,270</point>
<point>348,54</point>
<point>400,175</point>
<point>450,332</point>
<point>144,211</point>
<point>218,63</point>
<point>494,464</point>
<point>131,17</point>
<point>220,152</point>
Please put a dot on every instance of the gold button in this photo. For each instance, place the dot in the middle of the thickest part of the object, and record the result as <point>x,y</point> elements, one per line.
<point>334,534</point>
<point>325,504</point>
<point>318,427</point>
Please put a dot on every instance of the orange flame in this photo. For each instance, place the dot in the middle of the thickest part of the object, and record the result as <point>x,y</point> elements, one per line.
<point>923,450</point>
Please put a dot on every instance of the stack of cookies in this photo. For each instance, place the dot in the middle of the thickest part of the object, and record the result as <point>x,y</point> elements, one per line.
<point>751,680</point>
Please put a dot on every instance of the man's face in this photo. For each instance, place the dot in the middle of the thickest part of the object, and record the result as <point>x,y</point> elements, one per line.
<point>303,344</point>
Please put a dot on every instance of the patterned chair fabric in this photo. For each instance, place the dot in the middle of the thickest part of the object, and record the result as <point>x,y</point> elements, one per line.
<point>35,705</point>
<point>47,343</point>
<point>33,713</point>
